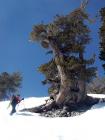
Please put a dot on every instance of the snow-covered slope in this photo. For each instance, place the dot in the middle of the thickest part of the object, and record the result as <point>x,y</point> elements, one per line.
<point>31,126</point>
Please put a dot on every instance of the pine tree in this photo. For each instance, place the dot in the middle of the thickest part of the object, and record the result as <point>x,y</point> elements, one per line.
<point>65,39</point>
<point>9,84</point>
<point>102,37</point>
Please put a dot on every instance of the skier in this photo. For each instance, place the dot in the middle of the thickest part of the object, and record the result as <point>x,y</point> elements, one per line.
<point>14,101</point>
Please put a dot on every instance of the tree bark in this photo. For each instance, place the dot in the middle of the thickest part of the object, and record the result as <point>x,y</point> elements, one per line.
<point>82,82</point>
<point>82,88</point>
<point>64,81</point>
<point>65,94</point>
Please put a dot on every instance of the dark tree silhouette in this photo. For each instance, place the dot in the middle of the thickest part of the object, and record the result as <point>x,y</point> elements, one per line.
<point>9,84</point>
<point>102,36</point>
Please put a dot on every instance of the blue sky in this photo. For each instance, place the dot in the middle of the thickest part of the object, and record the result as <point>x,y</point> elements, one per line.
<point>18,54</point>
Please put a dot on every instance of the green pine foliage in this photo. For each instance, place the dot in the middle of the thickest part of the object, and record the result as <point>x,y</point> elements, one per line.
<point>9,84</point>
<point>70,35</point>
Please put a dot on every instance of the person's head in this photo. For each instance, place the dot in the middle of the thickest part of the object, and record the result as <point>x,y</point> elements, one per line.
<point>18,95</point>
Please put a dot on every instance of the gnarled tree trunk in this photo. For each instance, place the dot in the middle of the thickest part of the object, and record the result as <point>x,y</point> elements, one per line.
<point>65,94</point>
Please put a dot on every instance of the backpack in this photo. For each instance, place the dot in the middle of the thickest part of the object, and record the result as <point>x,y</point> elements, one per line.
<point>15,100</point>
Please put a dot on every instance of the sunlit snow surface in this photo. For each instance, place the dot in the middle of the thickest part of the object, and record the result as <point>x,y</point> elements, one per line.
<point>31,126</point>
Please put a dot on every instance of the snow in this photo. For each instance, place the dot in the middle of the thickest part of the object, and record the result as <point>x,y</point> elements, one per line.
<point>31,126</point>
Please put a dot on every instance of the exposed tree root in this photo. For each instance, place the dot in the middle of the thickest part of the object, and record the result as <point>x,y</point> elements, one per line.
<point>51,109</point>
